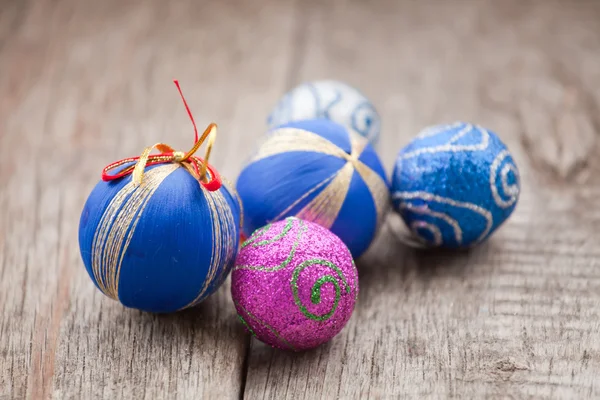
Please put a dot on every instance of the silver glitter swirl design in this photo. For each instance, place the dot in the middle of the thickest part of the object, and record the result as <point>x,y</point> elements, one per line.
<point>510,192</point>
<point>404,197</point>
<point>431,228</point>
<point>504,193</point>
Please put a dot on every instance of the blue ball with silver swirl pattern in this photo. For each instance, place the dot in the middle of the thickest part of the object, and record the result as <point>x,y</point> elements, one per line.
<point>454,185</point>
<point>332,100</point>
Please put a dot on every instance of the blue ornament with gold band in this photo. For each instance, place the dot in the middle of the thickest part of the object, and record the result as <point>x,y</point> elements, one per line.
<point>319,171</point>
<point>455,184</point>
<point>162,233</point>
<point>329,99</point>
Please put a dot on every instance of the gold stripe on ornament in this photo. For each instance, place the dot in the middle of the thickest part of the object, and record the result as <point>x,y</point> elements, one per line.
<point>284,140</point>
<point>117,227</point>
<point>231,188</point>
<point>325,207</point>
<point>304,196</point>
<point>223,241</point>
<point>376,185</point>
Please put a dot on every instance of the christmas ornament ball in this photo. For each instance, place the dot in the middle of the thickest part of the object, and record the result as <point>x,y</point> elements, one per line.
<point>332,100</point>
<point>454,185</point>
<point>320,171</point>
<point>294,285</point>
<point>161,245</point>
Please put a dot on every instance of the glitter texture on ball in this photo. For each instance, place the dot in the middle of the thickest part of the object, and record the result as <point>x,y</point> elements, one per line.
<point>294,284</point>
<point>329,99</point>
<point>454,185</point>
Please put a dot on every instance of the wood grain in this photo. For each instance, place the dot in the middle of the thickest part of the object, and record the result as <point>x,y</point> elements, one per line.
<point>83,83</point>
<point>517,317</point>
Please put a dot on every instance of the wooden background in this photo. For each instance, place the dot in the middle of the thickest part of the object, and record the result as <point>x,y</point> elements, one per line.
<point>83,83</point>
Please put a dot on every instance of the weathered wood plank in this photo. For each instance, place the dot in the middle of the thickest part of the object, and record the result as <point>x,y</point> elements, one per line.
<point>516,317</point>
<point>83,84</point>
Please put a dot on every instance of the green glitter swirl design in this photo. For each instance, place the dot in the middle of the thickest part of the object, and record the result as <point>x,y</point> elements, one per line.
<point>247,326</point>
<point>260,232</point>
<point>257,233</point>
<point>316,288</point>
<point>315,296</point>
<point>264,325</point>
<point>284,232</point>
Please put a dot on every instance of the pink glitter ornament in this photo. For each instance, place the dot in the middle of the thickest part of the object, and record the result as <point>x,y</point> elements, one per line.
<point>294,284</point>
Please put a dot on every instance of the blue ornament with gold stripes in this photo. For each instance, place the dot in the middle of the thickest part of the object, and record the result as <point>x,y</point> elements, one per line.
<point>454,185</point>
<point>332,100</point>
<point>162,233</point>
<point>319,171</point>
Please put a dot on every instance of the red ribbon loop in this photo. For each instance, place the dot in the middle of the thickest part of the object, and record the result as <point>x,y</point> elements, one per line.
<point>198,167</point>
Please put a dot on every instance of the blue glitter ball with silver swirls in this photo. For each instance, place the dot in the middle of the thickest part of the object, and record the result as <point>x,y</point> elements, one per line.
<point>454,185</point>
<point>332,100</point>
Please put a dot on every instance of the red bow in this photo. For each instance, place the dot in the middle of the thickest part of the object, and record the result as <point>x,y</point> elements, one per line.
<point>200,169</point>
